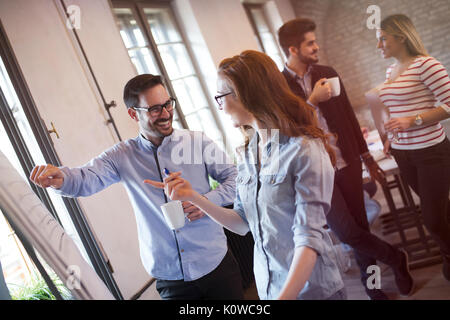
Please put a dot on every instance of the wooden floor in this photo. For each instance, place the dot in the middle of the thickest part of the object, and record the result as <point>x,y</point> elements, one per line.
<point>429,281</point>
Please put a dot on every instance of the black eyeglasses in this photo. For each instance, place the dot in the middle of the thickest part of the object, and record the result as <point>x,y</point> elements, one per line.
<point>219,99</point>
<point>156,110</point>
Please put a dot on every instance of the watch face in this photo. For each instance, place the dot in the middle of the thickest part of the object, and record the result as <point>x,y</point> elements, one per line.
<point>418,120</point>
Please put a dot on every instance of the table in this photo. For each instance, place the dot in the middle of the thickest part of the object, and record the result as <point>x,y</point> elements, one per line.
<point>407,220</point>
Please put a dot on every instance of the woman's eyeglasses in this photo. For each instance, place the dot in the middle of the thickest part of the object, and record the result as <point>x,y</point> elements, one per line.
<point>156,110</point>
<point>220,100</point>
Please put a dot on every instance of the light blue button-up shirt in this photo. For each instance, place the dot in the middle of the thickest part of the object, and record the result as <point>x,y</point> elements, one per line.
<point>193,250</point>
<point>285,206</point>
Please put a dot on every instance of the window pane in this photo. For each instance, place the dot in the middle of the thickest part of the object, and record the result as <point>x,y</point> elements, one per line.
<point>36,154</point>
<point>209,124</point>
<point>176,60</point>
<point>177,124</point>
<point>140,42</point>
<point>196,92</point>
<point>177,64</point>
<point>193,122</point>
<point>129,29</point>
<point>16,264</point>
<point>271,49</point>
<point>144,61</point>
<point>259,19</point>
<point>161,25</point>
<point>269,43</point>
<point>190,93</point>
<point>183,96</point>
<point>268,40</point>
<point>136,43</point>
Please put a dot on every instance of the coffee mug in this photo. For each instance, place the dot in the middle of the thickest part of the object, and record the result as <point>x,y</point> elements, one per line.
<point>173,214</point>
<point>335,86</point>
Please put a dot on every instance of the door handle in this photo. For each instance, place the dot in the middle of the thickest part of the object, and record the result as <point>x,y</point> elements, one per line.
<point>53,130</point>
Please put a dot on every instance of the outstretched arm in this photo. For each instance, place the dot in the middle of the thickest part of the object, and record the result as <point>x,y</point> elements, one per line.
<point>47,176</point>
<point>178,188</point>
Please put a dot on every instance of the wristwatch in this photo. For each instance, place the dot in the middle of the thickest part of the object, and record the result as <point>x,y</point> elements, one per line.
<point>418,120</point>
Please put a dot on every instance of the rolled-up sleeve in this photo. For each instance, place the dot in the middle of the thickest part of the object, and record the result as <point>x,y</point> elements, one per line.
<point>314,179</point>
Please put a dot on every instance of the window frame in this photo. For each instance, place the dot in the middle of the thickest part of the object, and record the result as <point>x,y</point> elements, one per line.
<point>248,7</point>
<point>152,45</point>
<point>137,7</point>
<point>40,131</point>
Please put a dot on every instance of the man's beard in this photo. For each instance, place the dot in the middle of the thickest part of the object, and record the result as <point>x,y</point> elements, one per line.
<point>308,60</point>
<point>156,131</point>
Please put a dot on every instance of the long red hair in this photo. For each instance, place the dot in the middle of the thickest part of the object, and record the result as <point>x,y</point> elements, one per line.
<point>265,93</point>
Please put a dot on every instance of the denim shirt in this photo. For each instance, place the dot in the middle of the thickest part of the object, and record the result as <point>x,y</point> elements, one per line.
<point>193,250</point>
<point>284,206</point>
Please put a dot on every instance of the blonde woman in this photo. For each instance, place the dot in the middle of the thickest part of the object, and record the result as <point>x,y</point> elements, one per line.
<point>417,95</point>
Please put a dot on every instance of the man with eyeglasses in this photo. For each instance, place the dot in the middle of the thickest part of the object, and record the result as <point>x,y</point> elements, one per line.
<point>192,262</point>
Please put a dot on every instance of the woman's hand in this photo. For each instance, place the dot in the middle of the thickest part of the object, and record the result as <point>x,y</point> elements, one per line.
<point>192,211</point>
<point>178,188</point>
<point>395,124</point>
<point>175,187</point>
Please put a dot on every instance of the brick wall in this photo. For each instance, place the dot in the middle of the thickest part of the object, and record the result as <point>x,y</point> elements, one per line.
<point>350,47</point>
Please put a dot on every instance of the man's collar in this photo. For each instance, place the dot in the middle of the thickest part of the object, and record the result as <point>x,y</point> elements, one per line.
<point>148,144</point>
<point>294,74</point>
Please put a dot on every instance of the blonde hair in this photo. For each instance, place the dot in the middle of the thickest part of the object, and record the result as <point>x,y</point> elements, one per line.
<point>399,25</point>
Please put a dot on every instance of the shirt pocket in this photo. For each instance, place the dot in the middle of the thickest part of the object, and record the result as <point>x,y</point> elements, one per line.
<point>275,188</point>
<point>244,187</point>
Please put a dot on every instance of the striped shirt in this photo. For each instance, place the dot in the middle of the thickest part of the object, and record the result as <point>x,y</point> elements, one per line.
<point>423,86</point>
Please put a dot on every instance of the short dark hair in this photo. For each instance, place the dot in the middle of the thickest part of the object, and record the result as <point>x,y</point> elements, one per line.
<point>292,33</point>
<point>137,85</point>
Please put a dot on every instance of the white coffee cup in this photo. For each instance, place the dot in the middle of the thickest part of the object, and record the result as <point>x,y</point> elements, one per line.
<point>174,214</point>
<point>335,86</point>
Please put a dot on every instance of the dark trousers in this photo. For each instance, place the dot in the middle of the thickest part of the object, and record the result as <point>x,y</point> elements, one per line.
<point>427,171</point>
<point>223,283</point>
<point>348,220</point>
